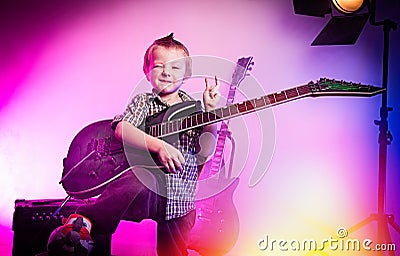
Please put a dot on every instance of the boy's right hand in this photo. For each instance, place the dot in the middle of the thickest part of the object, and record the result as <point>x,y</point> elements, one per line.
<point>170,157</point>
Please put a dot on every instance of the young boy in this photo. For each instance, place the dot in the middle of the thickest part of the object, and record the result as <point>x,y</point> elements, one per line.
<point>166,65</point>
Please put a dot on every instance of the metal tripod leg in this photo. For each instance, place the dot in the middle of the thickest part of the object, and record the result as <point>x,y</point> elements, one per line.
<point>363,223</point>
<point>383,234</point>
<point>386,234</point>
<point>392,223</point>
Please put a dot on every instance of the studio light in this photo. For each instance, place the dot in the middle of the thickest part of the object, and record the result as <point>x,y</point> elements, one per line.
<point>348,6</point>
<point>348,18</point>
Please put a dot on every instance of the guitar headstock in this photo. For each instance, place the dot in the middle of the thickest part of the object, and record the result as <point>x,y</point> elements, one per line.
<point>326,86</point>
<point>242,66</point>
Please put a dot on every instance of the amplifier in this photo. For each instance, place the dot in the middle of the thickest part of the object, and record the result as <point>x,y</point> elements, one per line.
<point>33,222</point>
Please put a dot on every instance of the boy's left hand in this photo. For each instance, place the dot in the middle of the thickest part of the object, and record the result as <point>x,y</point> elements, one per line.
<point>211,95</point>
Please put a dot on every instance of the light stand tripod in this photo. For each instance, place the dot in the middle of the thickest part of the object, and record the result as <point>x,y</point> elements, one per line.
<point>385,138</point>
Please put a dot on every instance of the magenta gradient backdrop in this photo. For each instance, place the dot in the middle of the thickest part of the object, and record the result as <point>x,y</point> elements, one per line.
<point>65,64</point>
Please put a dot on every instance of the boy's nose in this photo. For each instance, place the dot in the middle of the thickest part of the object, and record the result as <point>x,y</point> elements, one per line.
<point>166,72</point>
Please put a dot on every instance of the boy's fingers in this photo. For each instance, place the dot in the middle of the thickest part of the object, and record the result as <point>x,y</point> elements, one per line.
<point>181,159</point>
<point>217,84</point>
<point>177,164</point>
<point>207,85</point>
<point>216,81</point>
<point>170,166</point>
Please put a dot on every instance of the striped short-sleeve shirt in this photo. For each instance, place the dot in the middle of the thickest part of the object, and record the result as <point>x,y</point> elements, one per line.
<point>181,186</point>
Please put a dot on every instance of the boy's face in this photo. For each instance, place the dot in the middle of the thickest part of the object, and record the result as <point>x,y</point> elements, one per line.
<point>167,68</point>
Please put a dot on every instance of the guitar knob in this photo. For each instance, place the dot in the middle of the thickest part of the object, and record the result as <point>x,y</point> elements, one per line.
<point>112,159</point>
<point>92,174</point>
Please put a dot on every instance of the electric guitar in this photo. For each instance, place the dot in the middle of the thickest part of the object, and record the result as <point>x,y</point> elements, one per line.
<point>217,223</point>
<point>95,157</point>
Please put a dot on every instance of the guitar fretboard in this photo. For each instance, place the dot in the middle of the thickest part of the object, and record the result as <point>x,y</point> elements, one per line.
<point>231,111</point>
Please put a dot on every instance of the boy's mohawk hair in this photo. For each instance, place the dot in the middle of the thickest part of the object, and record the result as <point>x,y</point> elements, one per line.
<point>167,41</point>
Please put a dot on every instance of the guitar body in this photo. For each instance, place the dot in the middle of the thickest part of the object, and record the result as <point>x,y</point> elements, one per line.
<point>216,229</point>
<point>95,157</point>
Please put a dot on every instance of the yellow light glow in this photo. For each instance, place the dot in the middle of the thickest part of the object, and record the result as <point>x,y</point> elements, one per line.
<point>348,6</point>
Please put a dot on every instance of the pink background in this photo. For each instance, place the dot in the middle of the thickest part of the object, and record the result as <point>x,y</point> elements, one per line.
<point>65,64</point>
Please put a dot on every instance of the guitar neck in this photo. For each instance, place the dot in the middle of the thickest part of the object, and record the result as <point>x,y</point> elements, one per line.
<point>227,112</point>
<point>216,160</point>
<point>324,87</point>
